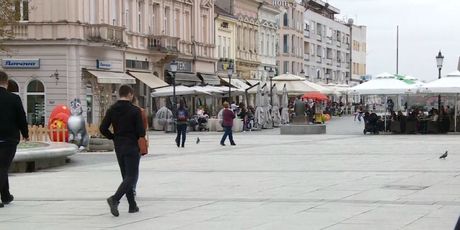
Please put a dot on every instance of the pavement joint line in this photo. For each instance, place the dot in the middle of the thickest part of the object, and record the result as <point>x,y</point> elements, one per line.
<point>257,200</point>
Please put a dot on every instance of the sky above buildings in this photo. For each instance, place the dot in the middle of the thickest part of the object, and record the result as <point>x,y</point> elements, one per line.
<point>425,27</point>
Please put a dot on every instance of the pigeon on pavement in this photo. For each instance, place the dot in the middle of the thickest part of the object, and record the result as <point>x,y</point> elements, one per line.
<point>443,156</point>
<point>197,140</point>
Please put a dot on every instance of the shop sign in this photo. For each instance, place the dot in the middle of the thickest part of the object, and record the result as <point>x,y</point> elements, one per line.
<point>103,64</point>
<point>21,63</point>
<point>182,66</point>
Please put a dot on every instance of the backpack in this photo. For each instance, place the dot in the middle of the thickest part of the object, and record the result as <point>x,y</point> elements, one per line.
<point>182,115</point>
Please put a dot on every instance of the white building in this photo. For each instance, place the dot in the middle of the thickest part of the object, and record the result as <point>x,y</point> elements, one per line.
<point>86,49</point>
<point>327,46</point>
<point>268,37</point>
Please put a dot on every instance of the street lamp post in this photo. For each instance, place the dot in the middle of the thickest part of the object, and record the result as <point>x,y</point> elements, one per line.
<point>439,61</point>
<point>173,68</point>
<point>230,73</point>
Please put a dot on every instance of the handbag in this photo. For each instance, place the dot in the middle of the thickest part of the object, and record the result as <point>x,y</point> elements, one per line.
<point>143,146</point>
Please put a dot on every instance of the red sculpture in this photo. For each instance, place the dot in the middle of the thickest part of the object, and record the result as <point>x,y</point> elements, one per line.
<point>57,124</point>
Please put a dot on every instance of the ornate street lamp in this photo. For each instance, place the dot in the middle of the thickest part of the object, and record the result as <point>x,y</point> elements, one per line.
<point>173,68</point>
<point>230,73</point>
<point>439,61</point>
<point>302,73</point>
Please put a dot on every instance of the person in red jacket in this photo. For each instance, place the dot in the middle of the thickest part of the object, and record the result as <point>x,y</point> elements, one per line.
<point>227,124</point>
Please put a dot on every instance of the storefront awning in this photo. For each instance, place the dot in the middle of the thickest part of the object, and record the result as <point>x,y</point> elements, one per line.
<point>107,77</point>
<point>253,82</point>
<point>149,79</point>
<point>188,79</point>
<point>209,79</point>
<point>236,83</point>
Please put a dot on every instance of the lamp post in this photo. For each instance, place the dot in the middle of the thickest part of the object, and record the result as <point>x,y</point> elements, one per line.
<point>439,61</point>
<point>173,68</point>
<point>230,73</point>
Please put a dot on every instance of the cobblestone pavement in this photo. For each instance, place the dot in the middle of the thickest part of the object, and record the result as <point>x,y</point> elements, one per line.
<point>341,180</point>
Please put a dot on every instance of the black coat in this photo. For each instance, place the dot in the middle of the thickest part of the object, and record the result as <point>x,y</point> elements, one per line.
<point>126,120</point>
<point>12,117</point>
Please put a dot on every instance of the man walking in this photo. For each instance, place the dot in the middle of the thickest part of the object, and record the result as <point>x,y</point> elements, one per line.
<point>227,124</point>
<point>182,119</point>
<point>126,120</point>
<point>12,120</point>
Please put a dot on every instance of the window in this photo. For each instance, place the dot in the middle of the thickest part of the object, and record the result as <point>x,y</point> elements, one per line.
<point>166,21</point>
<point>261,47</point>
<point>13,87</point>
<point>205,29</point>
<point>187,25</point>
<point>285,19</point>
<point>224,50</point>
<point>21,10</point>
<point>228,48</point>
<point>89,103</point>
<point>285,44</point>
<point>139,16</point>
<point>36,103</point>
<point>286,67</point>
<point>134,64</point>
<point>114,12</point>
<point>219,42</point>
<point>92,11</point>
<point>267,50</point>
<point>177,23</point>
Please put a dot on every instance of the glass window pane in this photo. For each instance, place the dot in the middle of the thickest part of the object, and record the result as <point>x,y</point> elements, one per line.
<point>35,87</point>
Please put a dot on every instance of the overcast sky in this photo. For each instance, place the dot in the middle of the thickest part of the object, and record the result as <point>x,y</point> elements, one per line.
<point>425,27</point>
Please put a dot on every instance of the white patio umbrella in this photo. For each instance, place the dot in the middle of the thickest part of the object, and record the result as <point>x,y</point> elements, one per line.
<point>180,90</point>
<point>383,84</point>
<point>284,106</point>
<point>449,84</point>
<point>295,85</point>
<point>276,116</point>
<point>268,117</point>
<point>259,113</point>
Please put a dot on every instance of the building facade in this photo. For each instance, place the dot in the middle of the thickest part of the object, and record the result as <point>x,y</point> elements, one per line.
<point>290,49</point>
<point>268,36</point>
<point>329,56</point>
<point>86,49</point>
<point>225,28</point>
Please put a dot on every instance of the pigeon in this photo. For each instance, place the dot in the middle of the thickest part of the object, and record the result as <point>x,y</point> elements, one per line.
<point>197,140</point>
<point>443,156</point>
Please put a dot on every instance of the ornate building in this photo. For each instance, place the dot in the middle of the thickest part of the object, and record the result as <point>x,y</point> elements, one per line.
<point>85,49</point>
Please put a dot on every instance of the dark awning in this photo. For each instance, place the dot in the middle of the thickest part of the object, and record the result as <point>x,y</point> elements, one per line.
<point>209,78</point>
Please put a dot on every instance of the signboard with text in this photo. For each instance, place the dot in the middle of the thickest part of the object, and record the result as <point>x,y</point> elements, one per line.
<point>21,63</point>
<point>103,64</point>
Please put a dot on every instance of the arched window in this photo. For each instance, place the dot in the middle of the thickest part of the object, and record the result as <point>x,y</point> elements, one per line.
<point>285,19</point>
<point>13,87</point>
<point>36,103</point>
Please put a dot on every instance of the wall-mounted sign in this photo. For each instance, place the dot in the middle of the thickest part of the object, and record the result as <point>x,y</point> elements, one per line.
<point>103,64</point>
<point>21,63</point>
<point>182,66</point>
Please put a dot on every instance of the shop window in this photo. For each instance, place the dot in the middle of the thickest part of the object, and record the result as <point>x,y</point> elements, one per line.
<point>36,103</point>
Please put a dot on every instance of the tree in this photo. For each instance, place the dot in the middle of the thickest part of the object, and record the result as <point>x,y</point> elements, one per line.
<point>8,15</point>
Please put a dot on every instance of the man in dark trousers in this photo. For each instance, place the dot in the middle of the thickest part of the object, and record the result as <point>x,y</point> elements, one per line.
<point>12,121</point>
<point>227,124</point>
<point>182,119</point>
<point>126,121</point>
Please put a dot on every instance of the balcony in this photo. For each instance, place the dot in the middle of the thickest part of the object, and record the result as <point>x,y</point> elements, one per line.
<point>306,57</point>
<point>339,43</point>
<point>163,44</point>
<point>306,33</point>
<point>319,37</point>
<point>19,31</point>
<point>105,33</point>
<point>328,61</point>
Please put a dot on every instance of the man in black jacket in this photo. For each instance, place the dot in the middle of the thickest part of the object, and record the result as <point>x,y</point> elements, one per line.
<point>12,120</point>
<point>126,121</point>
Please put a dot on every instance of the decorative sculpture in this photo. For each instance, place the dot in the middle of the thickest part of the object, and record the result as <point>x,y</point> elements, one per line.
<point>77,125</point>
<point>57,123</point>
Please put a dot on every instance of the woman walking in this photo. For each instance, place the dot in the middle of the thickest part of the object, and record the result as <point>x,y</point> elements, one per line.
<point>227,124</point>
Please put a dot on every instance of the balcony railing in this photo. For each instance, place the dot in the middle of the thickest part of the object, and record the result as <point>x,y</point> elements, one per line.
<point>306,33</point>
<point>319,37</point>
<point>163,44</point>
<point>19,31</point>
<point>339,43</point>
<point>105,33</point>
<point>306,57</point>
